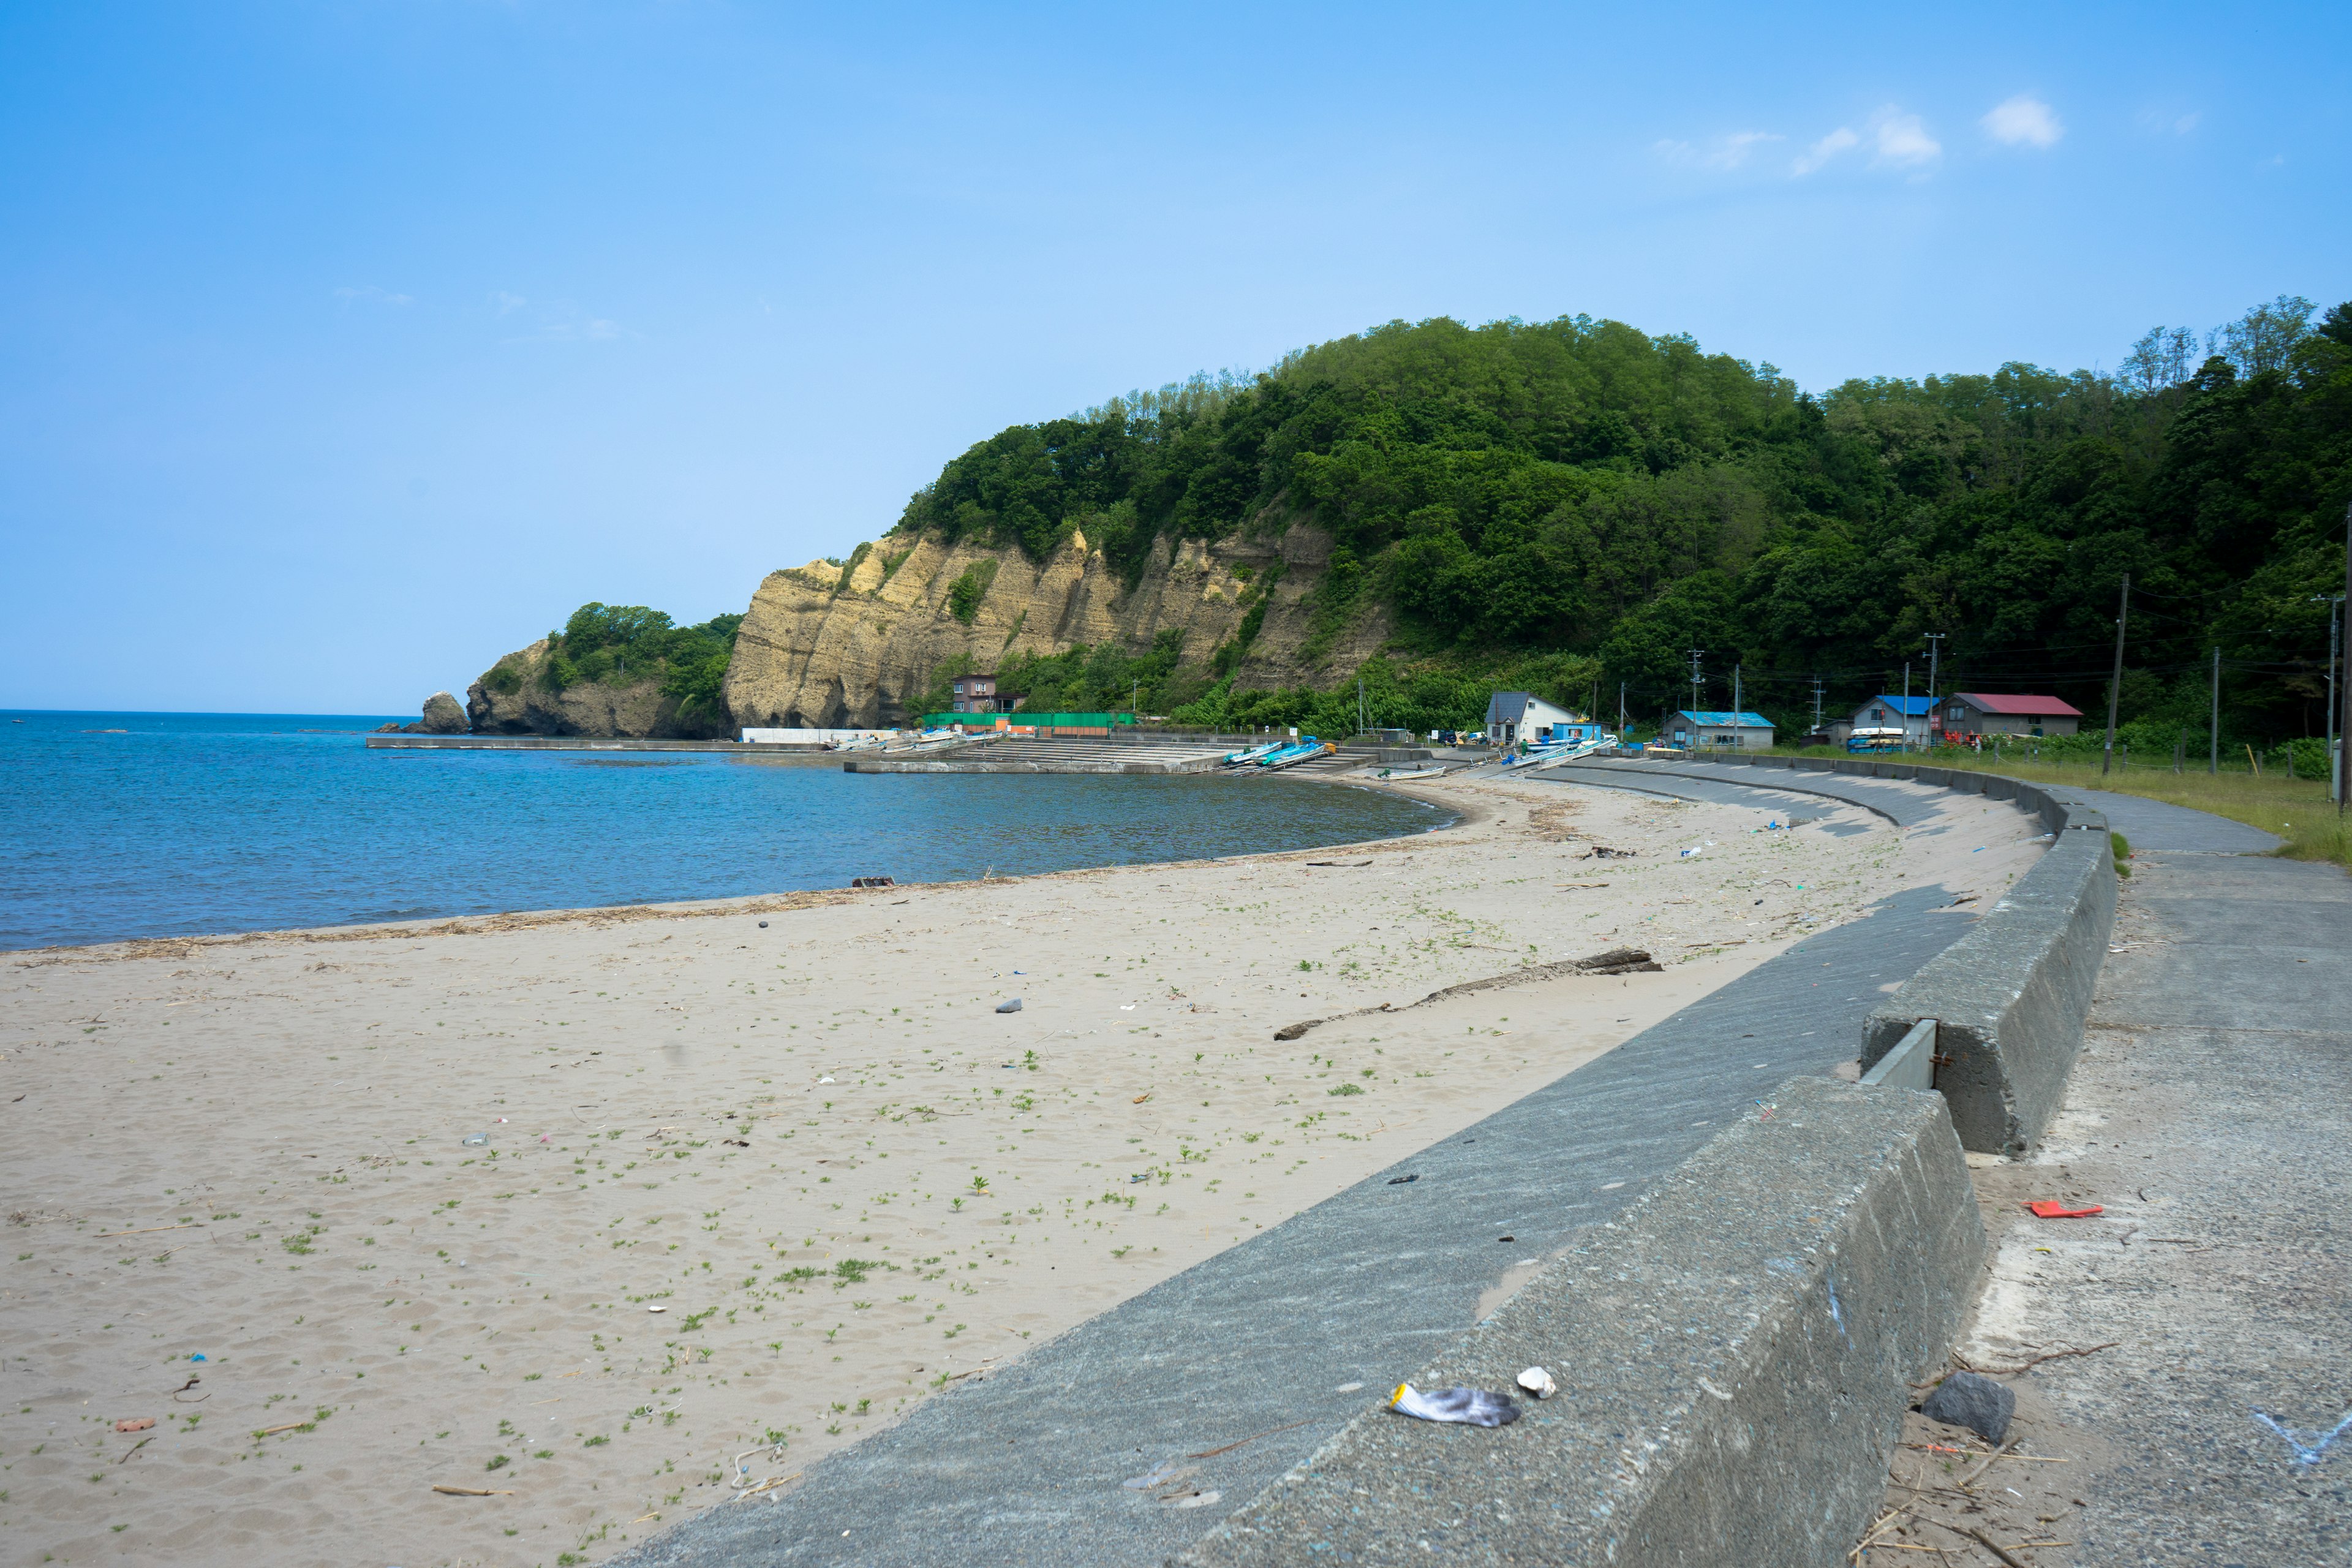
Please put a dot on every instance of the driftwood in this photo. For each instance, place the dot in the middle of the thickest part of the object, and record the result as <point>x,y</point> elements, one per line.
<point>1616,961</point>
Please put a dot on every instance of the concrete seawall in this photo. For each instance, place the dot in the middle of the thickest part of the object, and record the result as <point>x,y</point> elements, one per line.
<point>2010,997</point>
<point>1733,1353</point>
<point>1733,1347</point>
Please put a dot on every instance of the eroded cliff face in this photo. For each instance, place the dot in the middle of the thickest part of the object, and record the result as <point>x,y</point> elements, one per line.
<point>824,648</point>
<point>511,699</point>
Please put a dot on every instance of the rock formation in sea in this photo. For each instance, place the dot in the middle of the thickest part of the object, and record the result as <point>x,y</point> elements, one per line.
<point>824,645</point>
<point>443,716</point>
<point>512,698</point>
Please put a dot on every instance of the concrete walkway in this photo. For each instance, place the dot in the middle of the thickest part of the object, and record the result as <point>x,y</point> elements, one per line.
<point>2212,1113</point>
<point>1242,1366</point>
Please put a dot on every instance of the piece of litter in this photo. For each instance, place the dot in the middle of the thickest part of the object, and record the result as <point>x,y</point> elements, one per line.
<point>1462,1406</point>
<point>1126,1007</point>
<point>763,925</point>
<point>198,1356</point>
<point>1401,1181</point>
<point>1526,1263</point>
<point>824,1081</point>
<point>1538,1382</point>
<point>1011,1007</point>
<point>477,1138</point>
<point>2050,1208</point>
<point>140,1424</point>
<point>1158,1475</point>
<point>656,1309</point>
<point>1348,1388</point>
<point>1139,1099</point>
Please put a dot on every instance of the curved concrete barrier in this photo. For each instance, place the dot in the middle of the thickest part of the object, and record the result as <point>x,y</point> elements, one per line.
<point>2010,997</point>
<point>1733,1354</point>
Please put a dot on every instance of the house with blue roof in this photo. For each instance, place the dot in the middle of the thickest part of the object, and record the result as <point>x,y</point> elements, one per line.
<point>1906,718</point>
<point>1696,729</point>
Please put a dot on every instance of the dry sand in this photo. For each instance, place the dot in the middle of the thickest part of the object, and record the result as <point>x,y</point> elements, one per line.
<point>744,1186</point>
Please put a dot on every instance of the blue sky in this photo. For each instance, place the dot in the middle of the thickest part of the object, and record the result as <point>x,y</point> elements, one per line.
<point>346,346</point>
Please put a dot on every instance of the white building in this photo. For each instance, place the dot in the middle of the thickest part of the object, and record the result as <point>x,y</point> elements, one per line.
<point>1516,716</point>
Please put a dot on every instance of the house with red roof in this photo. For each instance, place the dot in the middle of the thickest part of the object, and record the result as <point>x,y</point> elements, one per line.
<point>2008,714</point>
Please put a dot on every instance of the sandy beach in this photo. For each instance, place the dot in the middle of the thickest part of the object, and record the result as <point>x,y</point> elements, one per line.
<point>615,1215</point>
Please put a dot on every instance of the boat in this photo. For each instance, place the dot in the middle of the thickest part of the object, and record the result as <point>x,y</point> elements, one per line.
<point>1238,759</point>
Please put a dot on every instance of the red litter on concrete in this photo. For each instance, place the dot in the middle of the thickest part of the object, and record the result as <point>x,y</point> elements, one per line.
<point>2050,1208</point>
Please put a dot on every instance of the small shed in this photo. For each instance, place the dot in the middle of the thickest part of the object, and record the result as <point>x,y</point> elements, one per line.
<point>1910,716</point>
<point>2008,713</point>
<point>1516,716</point>
<point>1702,728</point>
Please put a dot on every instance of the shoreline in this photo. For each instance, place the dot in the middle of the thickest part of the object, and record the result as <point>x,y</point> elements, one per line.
<point>784,902</point>
<point>843,1178</point>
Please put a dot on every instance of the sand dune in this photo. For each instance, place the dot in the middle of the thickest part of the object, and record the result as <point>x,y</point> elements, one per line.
<point>741,1194</point>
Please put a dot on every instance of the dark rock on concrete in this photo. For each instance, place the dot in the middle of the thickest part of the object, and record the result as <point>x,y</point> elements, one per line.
<point>1979,1404</point>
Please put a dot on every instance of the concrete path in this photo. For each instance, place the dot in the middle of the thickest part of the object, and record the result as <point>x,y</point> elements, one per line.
<point>1241,1366</point>
<point>2212,1113</point>
<point>2153,825</point>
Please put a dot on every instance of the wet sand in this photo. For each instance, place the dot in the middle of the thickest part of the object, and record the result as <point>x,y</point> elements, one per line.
<point>741,1186</point>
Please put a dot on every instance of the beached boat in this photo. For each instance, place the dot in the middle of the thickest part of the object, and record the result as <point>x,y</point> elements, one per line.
<point>1238,759</point>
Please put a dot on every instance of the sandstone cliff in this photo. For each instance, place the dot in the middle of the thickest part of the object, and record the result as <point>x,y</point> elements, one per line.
<point>832,646</point>
<point>511,699</point>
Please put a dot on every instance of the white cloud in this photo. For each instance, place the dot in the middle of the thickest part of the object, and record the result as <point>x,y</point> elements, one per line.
<point>373,295</point>
<point>2023,121</point>
<point>1723,153</point>
<point>1902,140</point>
<point>1827,148</point>
<point>507,304</point>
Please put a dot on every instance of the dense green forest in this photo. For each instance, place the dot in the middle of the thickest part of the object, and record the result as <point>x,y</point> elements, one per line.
<point>620,645</point>
<point>1572,504</point>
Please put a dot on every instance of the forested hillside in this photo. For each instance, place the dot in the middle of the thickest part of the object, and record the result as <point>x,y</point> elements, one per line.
<point>1574,503</point>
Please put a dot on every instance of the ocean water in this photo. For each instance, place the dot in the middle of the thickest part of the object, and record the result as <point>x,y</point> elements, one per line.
<point>115,826</point>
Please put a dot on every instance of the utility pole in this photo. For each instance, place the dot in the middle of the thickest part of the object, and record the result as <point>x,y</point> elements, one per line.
<point>1906,714</point>
<point>2335,613</point>
<point>1736,706</point>
<point>1935,650</point>
<point>1694,654</point>
<point>2213,724</point>
<point>1817,705</point>
<point>2346,729</point>
<point>2115,682</point>
<point>1621,709</point>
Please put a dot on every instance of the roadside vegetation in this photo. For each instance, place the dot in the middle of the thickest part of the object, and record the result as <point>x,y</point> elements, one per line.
<point>1573,504</point>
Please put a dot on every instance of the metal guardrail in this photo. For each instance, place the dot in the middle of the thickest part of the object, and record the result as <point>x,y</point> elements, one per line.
<point>1911,1064</point>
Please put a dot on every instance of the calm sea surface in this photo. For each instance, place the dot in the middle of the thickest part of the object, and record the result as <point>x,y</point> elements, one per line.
<point>136,825</point>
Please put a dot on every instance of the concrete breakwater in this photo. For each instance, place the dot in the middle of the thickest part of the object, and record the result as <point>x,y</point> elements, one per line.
<point>1734,1344</point>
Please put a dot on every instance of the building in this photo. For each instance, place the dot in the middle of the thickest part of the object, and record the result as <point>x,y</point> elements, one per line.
<point>977,694</point>
<point>1700,730</point>
<point>1908,718</point>
<point>2008,714</point>
<point>1516,716</point>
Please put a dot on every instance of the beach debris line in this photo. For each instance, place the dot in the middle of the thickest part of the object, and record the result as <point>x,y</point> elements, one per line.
<point>871,882</point>
<point>1461,1406</point>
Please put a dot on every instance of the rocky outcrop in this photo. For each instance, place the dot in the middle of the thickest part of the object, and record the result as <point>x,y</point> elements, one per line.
<point>443,716</point>
<point>828,647</point>
<point>512,698</point>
